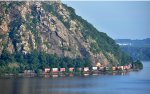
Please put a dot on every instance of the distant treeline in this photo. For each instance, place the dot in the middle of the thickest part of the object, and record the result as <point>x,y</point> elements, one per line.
<point>138,49</point>
<point>140,53</point>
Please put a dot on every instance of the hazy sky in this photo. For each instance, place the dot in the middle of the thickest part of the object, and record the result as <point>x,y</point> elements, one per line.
<point>118,19</point>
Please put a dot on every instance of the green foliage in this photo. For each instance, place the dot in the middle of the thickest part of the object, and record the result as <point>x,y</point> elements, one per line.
<point>1,19</point>
<point>28,16</point>
<point>95,48</point>
<point>49,8</point>
<point>138,64</point>
<point>6,57</point>
<point>14,27</point>
<point>5,44</point>
<point>137,53</point>
<point>6,69</point>
<point>32,20</point>
<point>2,36</point>
<point>52,8</point>
<point>71,11</point>
<point>125,59</point>
<point>39,60</point>
<point>35,14</point>
<point>48,44</point>
<point>17,3</point>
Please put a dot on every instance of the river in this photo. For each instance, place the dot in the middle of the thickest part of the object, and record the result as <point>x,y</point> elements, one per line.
<point>131,83</point>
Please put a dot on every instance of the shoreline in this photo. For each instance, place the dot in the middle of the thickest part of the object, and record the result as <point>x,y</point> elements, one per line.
<point>68,74</point>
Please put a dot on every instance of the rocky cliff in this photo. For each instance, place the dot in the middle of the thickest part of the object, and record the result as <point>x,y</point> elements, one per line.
<point>54,28</point>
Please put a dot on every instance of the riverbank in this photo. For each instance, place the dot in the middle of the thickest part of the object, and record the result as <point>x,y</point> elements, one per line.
<point>67,74</point>
<point>57,72</point>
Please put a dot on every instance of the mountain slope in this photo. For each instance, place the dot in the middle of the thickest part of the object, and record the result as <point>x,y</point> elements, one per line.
<point>54,28</point>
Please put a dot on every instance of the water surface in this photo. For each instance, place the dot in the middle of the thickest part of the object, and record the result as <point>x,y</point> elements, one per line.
<point>131,83</point>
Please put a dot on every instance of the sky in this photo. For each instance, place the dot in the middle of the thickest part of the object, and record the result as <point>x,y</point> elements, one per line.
<point>118,19</point>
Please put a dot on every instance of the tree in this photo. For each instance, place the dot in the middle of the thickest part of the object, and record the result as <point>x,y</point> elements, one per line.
<point>7,57</point>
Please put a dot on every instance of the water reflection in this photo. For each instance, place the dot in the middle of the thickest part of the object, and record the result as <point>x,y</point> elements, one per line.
<point>129,83</point>
<point>86,74</point>
<point>54,76</point>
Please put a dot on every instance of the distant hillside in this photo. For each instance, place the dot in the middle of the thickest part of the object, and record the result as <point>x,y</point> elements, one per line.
<point>139,43</point>
<point>138,49</point>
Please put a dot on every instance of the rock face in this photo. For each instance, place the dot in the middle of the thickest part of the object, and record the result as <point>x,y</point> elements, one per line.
<point>54,28</point>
